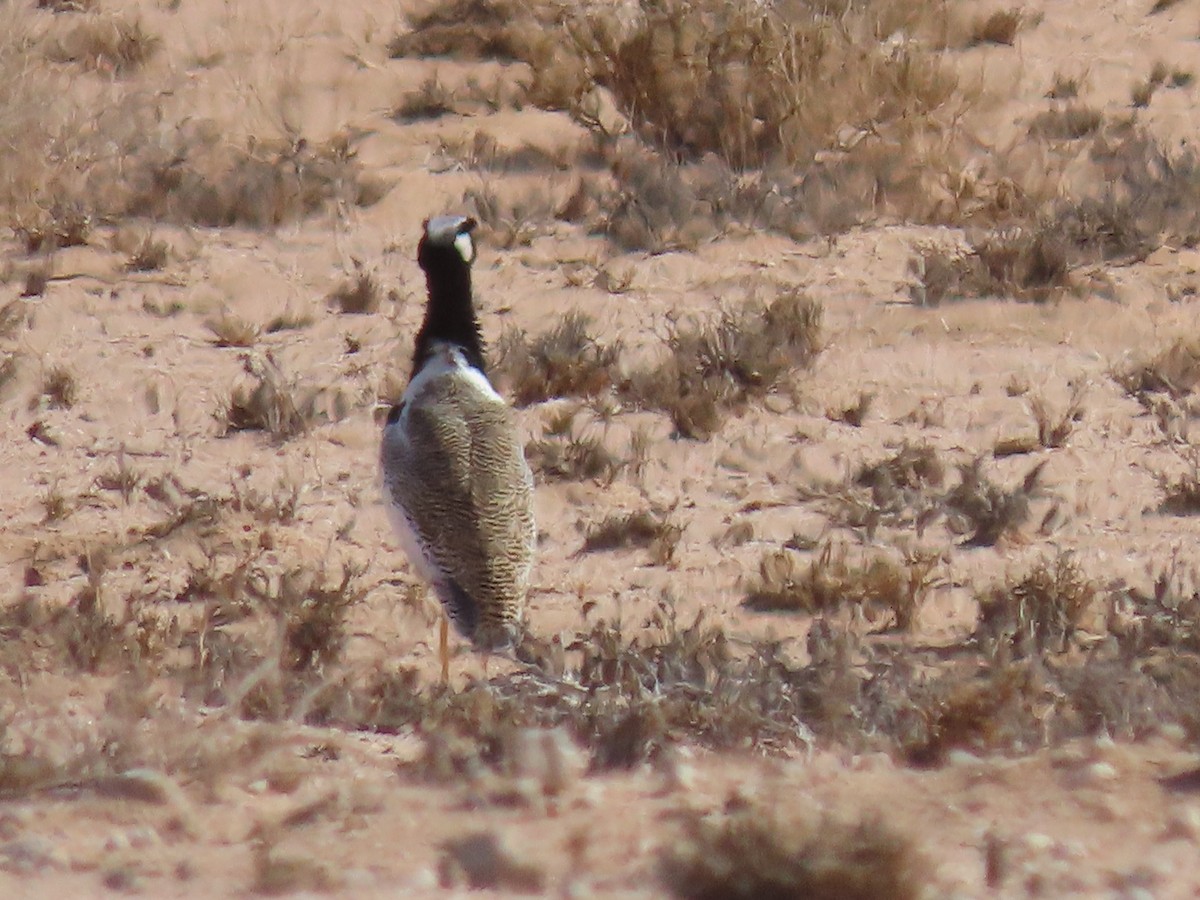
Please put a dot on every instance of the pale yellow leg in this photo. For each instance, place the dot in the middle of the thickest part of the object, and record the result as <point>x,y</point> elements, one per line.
<point>444,649</point>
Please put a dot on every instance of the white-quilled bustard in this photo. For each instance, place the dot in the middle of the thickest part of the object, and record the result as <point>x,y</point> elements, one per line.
<point>458,489</point>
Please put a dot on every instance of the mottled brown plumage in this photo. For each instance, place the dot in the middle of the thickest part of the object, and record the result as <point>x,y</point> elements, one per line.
<point>457,473</point>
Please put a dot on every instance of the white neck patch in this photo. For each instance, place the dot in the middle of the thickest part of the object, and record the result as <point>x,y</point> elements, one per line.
<point>449,360</point>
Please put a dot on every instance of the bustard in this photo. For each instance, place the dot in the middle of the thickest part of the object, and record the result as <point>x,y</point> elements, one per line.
<point>458,489</point>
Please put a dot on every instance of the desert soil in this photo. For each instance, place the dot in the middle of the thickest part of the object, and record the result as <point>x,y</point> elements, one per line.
<point>285,804</point>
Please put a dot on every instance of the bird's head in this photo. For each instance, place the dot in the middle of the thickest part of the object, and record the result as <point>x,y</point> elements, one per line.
<point>446,238</point>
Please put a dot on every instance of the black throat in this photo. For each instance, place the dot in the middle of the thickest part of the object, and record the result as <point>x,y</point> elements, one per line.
<point>450,311</point>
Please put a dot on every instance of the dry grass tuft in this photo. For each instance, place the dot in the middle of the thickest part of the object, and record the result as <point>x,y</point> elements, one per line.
<point>1181,494</point>
<point>565,361</point>
<point>1174,371</point>
<point>431,100</point>
<point>60,387</point>
<point>231,330</point>
<point>149,255</point>
<point>1072,122</point>
<point>720,365</point>
<point>757,852</point>
<point>358,295</point>
<point>1024,264</point>
<point>902,491</point>
<point>743,82</point>
<point>565,453</point>
<point>103,42</point>
<point>986,512</point>
<point>999,27</point>
<point>1053,429</point>
<point>831,582</point>
<point>268,401</point>
<point>1038,612</point>
<point>652,528</point>
<point>61,225</point>
<point>468,29</point>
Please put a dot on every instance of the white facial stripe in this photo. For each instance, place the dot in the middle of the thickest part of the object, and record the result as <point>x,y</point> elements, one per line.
<point>465,246</point>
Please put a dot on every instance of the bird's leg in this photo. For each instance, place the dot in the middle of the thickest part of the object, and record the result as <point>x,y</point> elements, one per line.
<point>444,649</point>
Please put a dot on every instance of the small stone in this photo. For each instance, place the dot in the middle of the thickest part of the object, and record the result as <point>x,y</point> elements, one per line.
<point>1038,842</point>
<point>1101,772</point>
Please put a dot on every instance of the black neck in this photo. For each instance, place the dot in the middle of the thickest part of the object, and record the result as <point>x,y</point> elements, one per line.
<point>449,313</point>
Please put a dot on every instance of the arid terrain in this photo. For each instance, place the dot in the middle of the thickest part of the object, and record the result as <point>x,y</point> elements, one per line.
<point>856,347</point>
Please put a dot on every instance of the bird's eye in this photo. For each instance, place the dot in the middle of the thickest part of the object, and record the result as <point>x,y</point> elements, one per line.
<point>393,415</point>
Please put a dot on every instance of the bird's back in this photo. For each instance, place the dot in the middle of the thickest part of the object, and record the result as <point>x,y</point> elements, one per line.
<point>454,468</point>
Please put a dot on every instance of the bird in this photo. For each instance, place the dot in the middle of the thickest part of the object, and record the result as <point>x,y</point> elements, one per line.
<point>457,486</point>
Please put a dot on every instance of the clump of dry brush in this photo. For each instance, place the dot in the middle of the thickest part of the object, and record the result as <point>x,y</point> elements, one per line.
<point>742,355</point>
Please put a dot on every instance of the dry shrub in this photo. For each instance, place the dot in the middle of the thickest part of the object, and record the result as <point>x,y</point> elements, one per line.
<point>60,387</point>
<point>431,100</point>
<point>1021,263</point>
<point>652,528</point>
<point>149,255</point>
<point>658,204</point>
<point>742,355</point>
<point>740,81</point>
<point>511,221</point>
<point>231,330</point>
<point>195,176</point>
<point>79,636</point>
<point>1149,196</point>
<point>1067,123</point>
<point>1038,612</point>
<point>624,699</point>
<point>54,227</point>
<point>831,581</point>
<point>312,616</point>
<point>1053,428</point>
<point>469,29</point>
<point>565,361</point>
<point>567,453</point>
<point>986,512</point>
<point>104,42</point>
<point>359,294</point>
<point>269,401</point>
<point>763,852</point>
<point>1065,87</point>
<point>901,491</point>
<point>1174,371</point>
<point>59,6</point>
<point>74,156</point>
<point>999,27</point>
<point>481,151</point>
<point>1181,494</point>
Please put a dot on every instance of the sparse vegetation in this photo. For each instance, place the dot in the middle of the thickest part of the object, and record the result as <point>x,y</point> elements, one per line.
<point>714,367</point>
<point>642,528</point>
<point>569,452</point>
<point>998,27</point>
<point>1039,612</point>
<point>831,581</point>
<point>267,401</point>
<point>194,621</point>
<point>359,294</point>
<point>765,852</point>
<point>986,512</point>
<point>565,361</point>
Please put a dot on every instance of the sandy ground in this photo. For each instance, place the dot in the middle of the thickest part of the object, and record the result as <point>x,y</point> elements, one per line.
<point>342,808</point>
